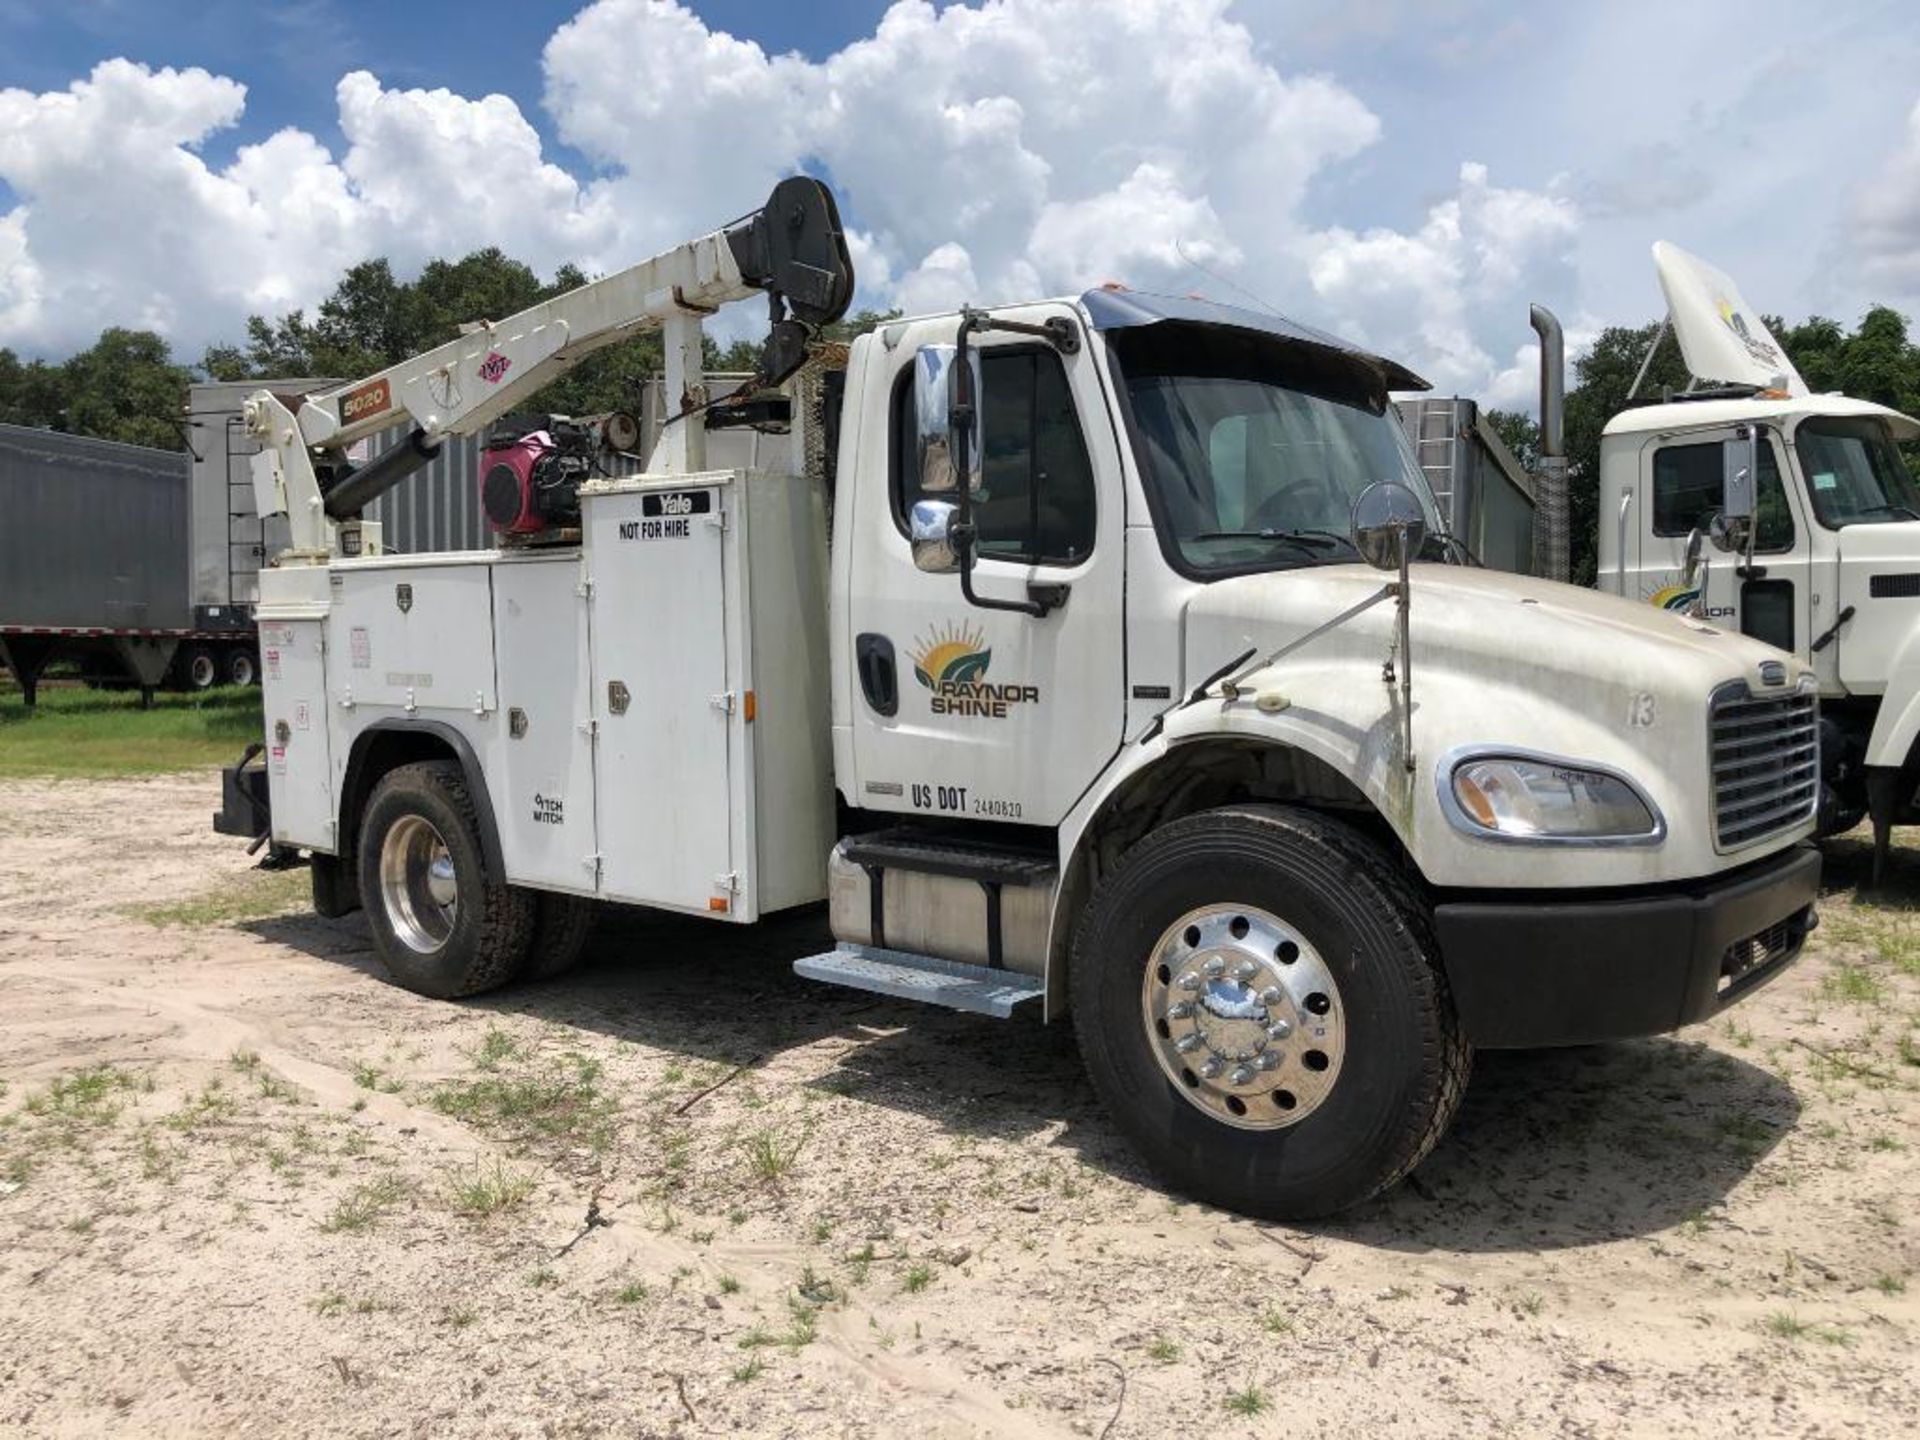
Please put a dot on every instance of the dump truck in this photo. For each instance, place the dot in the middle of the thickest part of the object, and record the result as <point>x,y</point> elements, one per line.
<point>1104,657</point>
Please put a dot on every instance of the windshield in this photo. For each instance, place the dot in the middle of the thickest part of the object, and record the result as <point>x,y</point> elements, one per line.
<point>1256,452</point>
<point>1855,473</point>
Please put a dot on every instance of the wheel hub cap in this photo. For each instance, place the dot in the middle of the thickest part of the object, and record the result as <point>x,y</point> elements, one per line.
<point>1244,1017</point>
<point>418,887</point>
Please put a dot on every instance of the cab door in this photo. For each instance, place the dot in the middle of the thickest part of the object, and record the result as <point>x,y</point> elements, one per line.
<point>959,711</point>
<point>1769,598</point>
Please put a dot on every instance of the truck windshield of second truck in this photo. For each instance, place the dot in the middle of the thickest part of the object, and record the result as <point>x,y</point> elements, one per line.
<point>1256,454</point>
<point>1855,472</point>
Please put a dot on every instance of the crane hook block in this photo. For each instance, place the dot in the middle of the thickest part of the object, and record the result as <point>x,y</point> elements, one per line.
<point>793,248</point>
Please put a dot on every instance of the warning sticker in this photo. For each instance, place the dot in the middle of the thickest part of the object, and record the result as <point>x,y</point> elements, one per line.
<point>360,644</point>
<point>667,516</point>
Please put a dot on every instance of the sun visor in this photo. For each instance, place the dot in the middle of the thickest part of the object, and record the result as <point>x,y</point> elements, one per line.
<point>1116,309</point>
<point>1721,336</point>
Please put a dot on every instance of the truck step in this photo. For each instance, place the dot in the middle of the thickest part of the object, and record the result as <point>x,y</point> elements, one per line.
<point>974,988</point>
<point>937,855</point>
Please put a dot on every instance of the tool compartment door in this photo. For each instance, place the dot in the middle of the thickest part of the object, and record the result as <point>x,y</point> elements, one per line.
<point>293,660</point>
<point>662,672</point>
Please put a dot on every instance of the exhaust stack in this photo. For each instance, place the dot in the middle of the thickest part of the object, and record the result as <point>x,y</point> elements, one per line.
<point>1551,532</point>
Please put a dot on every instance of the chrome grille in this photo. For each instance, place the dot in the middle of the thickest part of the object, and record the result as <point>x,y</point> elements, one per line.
<point>1766,763</point>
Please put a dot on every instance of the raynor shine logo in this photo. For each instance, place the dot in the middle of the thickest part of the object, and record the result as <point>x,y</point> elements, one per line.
<point>952,661</point>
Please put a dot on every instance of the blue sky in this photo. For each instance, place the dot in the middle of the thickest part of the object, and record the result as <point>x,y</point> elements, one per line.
<point>1412,172</point>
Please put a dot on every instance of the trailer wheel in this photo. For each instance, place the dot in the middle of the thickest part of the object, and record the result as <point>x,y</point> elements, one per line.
<point>561,925</point>
<point>198,669</point>
<point>241,669</point>
<point>445,925</point>
<point>1259,1003</point>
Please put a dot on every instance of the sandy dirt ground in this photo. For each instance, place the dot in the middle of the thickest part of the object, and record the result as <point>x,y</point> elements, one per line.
<point>247,1187</point>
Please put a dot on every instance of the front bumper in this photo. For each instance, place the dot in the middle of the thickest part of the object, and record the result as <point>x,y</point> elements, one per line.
<point>1529,971</point>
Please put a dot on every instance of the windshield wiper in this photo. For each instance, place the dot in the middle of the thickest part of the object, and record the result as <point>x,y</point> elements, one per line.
<point>1306,539</point>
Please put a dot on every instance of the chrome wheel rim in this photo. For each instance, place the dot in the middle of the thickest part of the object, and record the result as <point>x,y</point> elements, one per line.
<point>241,672</point>
<point>418,887</point>
<point>1244,1017</point>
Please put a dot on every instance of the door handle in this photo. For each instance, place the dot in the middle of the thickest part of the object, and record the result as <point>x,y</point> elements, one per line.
<point>879,682</point>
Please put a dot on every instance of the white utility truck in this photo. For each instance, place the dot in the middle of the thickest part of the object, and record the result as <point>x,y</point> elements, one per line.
<point>1821,558</point>
<point>1102,653</point>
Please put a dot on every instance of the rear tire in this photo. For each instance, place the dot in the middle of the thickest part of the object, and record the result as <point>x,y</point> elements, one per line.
<point>198,669</point>
<point>241,669</point>
<point>1281,967</point>
<point>561,927</point>
<point>445,924</point>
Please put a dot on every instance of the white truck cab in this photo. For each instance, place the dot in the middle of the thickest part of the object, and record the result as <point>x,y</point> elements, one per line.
<point>1822,559</point>
<point>1109,659</point>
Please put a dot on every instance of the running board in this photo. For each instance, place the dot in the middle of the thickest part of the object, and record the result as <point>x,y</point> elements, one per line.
<point>974,988</point>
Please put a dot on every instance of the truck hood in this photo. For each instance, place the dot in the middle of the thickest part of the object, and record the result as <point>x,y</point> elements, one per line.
<point>1510,625</point>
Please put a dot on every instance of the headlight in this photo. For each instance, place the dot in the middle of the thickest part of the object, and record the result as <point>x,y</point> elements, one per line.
<point>1525,797</point>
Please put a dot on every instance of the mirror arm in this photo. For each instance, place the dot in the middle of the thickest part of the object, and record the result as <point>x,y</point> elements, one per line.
<point>960,422</point>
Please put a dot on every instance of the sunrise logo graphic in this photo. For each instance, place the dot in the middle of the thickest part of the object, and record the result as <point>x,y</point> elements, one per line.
<point>954,654</point>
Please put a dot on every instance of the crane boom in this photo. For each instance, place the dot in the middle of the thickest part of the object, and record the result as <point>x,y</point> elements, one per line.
<point>792,249</point>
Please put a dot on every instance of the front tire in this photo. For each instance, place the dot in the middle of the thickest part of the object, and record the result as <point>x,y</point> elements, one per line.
<point>1259,1002</point>
<point>443,922</point>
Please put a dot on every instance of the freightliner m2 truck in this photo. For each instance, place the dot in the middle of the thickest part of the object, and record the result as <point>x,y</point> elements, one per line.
<point>1819,555</point>
<point>1102,655</point>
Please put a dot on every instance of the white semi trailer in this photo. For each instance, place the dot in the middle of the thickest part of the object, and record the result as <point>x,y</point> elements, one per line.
<point>1100,653</point>
<point>1820,557</point>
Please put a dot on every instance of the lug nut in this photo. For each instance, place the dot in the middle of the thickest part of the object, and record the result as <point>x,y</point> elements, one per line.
<point>1270,1059</point>
<point>1187,1044</point>
<point>1279,1030</point>
<point>1210,1069</point>
<point>1272,995</point>
<point>1245,970</point>
<point>1190,980</point>
<point>1216,966</point>
<point>1182,1011</point>
<point>1242,1074</point>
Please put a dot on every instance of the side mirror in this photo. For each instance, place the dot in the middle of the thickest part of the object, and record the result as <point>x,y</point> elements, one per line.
<point>929,530</point>
<point>1740,472</point>
<point>941,386</point>
<point>1388,525</point>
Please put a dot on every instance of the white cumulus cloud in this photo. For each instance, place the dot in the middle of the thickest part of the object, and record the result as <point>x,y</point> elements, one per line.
<point>1886,213</point>
<point>983,152</point>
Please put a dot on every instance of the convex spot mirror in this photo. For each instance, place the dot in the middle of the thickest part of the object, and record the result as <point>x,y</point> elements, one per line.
<point>1740,472</point>
<point>1388,523</point>
<point>929,531</point>
<point>941,386</point>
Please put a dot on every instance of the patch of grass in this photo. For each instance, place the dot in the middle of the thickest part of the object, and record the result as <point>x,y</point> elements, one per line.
<point>89,1098</point>
<point>80,732</point>
<point>1900,949</point>
<point>249,895</point>
<point>1890,1284</point>
<point>1250,1401</point>
<point>562,1102</point>
<point>496,1046</point>
<point>1276,1321</point>
<point>631,1293</point>
<point>210,1107</point>
<point>816,1289</point>
<point>729,1285</point>
<point>461,1318</point>
<point>1785,1325</point>
<point>771,1156</point>
<point>917,1279</point>
<point>1163,1351</point>
<point>331,1303</point>
<point>542,1278</point>
<point>1532,1303</point>
<point>749,1370</point>
<point>1854,984</point>
<point>489,1190</point>
<point>362,1207</point>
